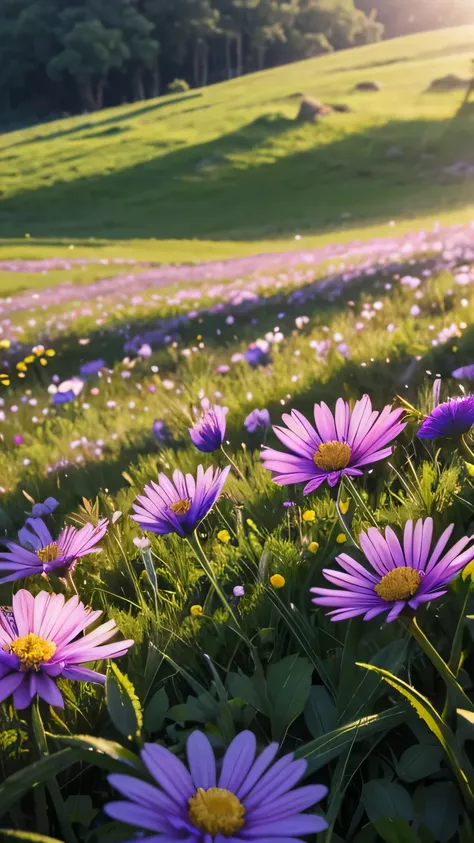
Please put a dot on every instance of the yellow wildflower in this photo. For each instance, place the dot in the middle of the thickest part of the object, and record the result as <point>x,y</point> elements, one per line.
<point>341,538</point>
<point>196,611</point>
<point>309,515</point>
<point>344,506</point>
<point>313,547</point>
<point>224,536</point>
<point>277,581</point>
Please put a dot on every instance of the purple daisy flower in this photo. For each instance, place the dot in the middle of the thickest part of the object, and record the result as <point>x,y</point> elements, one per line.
<point>39,553</point>
<point>452,418</point>
<point>93,367</point>
<point>46,508</point>
<point>401,577</point>
<point>257,419</point>
<point>64,397</point>
<point>41,639</point>
<point>208,433</point>
<point>179,506</point>
<point>249,799</point>
<point>160,430</point>
<point>464,372</point>
<point>256,356</point>
<point>340,445</point>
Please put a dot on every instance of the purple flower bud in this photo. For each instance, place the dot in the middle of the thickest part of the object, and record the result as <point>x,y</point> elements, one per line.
<point>257,419</point>
<point>208,433</point>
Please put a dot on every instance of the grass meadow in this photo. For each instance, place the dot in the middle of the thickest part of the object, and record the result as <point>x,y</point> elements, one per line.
<point>138,287</point>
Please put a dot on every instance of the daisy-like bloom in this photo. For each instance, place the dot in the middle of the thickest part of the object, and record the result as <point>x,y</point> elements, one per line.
<point>452,418</point>
<point>250,798</point>
<point>400,577</point>
<point>340,445</point>
<point>256,356</point>
<point>39,553</point>
<point>464,372</point>
<point>179,506</point>
<point>93,367</point>
<point>208,433</point>
<point>257,419</point>
<point>39,641</point>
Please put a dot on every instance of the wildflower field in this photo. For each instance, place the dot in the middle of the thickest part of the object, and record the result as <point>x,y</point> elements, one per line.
<point>237,496</point>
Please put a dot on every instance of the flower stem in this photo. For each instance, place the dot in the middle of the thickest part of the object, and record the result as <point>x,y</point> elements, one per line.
<point>356,495</point>
<point>454,663</point>
<point>195,545</point>
<point>341,519</point>
<point>52,785</point>
<point>70,584</point>
<point>439,664</point>
<point>466,446</point>
<point>233,464</point>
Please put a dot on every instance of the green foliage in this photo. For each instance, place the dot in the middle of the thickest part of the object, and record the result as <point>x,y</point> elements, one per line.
<point>123,704</point>
<point>178,86</point>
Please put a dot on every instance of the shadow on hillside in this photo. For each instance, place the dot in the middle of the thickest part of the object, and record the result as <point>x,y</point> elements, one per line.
<point>320,305</point>
<point>203,192</point>
<point>108,121</point>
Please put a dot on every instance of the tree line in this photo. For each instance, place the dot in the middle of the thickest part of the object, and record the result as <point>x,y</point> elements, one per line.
<point>60,56</point>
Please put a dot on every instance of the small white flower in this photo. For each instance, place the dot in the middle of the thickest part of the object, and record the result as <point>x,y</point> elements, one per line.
<point>142,543</point>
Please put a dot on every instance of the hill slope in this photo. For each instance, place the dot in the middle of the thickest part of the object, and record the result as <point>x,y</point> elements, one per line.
<point>229,163</point>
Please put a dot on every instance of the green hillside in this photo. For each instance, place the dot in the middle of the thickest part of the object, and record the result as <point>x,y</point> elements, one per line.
<point>229,166</point>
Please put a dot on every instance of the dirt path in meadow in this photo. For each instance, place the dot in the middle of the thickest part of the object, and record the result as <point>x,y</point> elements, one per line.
<point>455,240</point>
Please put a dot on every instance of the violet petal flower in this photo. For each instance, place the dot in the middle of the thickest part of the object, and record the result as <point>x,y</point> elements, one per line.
<point>208,433</point>
<point>464,372</point>
<point>250,799</point>
<point>341,443</point>
<point>160,430</point>
<point>257,419</point>
<point>179,506</point>
<point>48,506</point>
<point>452,418</point>
<point>39,553</point>
<point>401,576</point>
<point>63,397</point>
<point>40,639</point>
<point>255,356</point>
<point>93,367</point>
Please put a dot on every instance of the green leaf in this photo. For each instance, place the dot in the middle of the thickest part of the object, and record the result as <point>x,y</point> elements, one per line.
<point>249,689</point>
<point>16,785</point>
<point>195,709</point>
<point>466,715</point>
<point>80,809</point>
<point>419,762</point>
<point>99,749</point>
<point>288,685</point>
<point>430,716</point>
<point>31,836</point>
<point>322,750</point>
<point>155,712</point>
<point>382,798</point>
<point>123,704</point>
<point>320,711</point>
<point>395,830</point>
<point>439,808</point>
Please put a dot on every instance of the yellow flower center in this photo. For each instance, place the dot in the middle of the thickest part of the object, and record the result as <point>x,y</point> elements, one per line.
<point>48,553</point>
<point>216,811</point>
<point>332,456</point>
<point>32,651</point>
<point>399,584</point>
<point>181,507</point>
